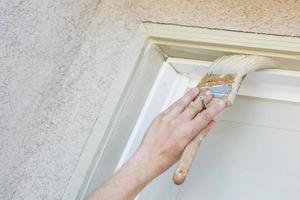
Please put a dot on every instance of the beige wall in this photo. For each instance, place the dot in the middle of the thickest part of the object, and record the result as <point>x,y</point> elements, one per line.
<point>58,59</point>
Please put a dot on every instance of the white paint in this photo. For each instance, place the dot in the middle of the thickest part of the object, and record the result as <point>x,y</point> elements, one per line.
<point>274,84</point>
<point>166,86</point>
<point>251,154</point>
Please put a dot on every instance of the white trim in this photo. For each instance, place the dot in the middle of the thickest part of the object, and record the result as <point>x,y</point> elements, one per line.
<point>276,84</point>
<point>289,46</point>
<point>169,85</point>
<point>91,148</point>
<point>175,76</point>
<point>168,41</point>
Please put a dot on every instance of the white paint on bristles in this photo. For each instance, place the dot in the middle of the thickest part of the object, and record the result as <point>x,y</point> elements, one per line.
<point>238,65</point>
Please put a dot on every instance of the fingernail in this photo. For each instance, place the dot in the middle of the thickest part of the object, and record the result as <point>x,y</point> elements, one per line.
<point>207,92</point>
<point>222,103</point>
<point>195,89</point>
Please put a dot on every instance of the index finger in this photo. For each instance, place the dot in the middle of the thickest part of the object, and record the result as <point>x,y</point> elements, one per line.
<point>179,105</point>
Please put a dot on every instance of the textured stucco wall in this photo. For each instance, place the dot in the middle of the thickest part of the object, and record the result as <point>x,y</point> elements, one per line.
<point>58,58</point>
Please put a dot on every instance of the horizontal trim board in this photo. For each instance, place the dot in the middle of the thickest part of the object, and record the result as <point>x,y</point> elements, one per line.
<point>276,84</point>
<point>195,35</point>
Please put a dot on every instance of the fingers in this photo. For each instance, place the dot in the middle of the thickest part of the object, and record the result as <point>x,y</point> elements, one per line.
<point>205,131</point>
<point>178,106</point>
<point>196,106</point>
<point>205,117</point>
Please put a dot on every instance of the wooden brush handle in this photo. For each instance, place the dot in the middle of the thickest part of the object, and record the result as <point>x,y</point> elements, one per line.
<point>187,157</point>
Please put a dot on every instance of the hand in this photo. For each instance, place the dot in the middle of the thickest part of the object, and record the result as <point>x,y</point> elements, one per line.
<point>173,129</point>
<point>162,145</point>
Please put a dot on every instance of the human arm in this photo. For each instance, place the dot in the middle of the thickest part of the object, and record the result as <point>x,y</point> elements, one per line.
<point>162,145</point>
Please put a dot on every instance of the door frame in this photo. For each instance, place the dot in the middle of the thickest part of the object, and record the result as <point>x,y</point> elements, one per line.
<point>151,46</point>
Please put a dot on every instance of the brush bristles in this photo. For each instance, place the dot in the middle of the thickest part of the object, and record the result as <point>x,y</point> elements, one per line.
<point>236,66</point>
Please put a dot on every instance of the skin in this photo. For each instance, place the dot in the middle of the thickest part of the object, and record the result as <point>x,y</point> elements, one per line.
<point>162,145</point>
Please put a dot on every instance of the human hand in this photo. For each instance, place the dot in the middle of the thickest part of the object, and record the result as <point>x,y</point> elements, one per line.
<point>173,129</point>
<point>164,142</point>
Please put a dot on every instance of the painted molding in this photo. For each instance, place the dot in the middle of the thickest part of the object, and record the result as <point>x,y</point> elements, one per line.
<point>261,44</point>
<point>151,46</point>
<point>273,84</point>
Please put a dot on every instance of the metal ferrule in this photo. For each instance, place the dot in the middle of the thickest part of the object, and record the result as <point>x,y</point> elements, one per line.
<point>218,91</point>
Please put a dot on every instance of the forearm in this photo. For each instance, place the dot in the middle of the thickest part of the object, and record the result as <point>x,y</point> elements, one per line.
<point>128,181</point>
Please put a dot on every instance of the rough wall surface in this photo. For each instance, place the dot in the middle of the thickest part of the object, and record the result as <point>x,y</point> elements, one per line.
<point>58,59</point>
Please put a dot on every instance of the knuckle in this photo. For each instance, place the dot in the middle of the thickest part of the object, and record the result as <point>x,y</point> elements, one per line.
<point>160,116</point>
<point>181,144</point>
<point>186,129</point>
<point>181,104</point>
<point>194,106</point>
<point>186,138</point>
<point>165,118</point>
<point>208,96</point>
<point>175,124</point>
<point>206,116</point>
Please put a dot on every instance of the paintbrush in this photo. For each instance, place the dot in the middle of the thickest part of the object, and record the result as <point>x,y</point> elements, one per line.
<point>223,79</point>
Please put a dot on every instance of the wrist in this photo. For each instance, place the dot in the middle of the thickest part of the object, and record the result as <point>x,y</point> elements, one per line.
<point>144,166</point>
<point>128,181</point>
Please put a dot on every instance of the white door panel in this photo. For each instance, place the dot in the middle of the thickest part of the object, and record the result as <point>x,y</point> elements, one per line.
<point>242,161</point>
<point>252,153</point>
